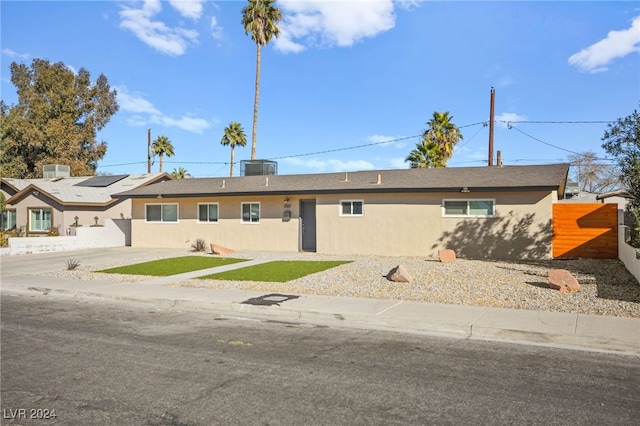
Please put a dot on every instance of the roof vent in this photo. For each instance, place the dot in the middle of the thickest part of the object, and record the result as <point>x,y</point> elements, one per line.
<point>51,171</point>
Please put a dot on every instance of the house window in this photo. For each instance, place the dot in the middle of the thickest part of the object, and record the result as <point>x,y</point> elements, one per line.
<point>469,208</point>
<point>8,220</point>
<point>162,212</point>
<point>250,212</point>
<point>351,208</point>
<point>208,213</point>
<point>39,220</point>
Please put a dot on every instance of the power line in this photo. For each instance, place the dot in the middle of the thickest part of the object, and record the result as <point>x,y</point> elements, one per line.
<point>510,126</point>
<point>346,148</point>
<point>483,123</point>
<point>557,122</point>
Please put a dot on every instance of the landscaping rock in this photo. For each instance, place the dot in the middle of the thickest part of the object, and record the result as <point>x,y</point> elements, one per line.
<point>446,255</point>
<point>562,280</point>
<point>216,249</point>
<point>399,274</point>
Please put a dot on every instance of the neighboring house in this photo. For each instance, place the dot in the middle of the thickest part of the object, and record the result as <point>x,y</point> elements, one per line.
<point>616,197</point>
<point>61,202</point>
<point>489,212</point>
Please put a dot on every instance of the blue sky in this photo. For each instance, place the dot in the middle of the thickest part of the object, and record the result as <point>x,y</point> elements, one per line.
<point>349,84</point>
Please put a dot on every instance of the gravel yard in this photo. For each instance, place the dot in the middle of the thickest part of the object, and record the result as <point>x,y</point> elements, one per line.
<point>607,288</point>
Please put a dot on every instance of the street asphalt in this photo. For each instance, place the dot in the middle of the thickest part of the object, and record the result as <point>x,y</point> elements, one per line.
<point>27,273</point>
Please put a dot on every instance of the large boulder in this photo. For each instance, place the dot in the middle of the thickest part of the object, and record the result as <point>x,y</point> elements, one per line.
<point>446,255</point>
<point>399,274</point>
<point>216,249</point>
<point>562,280</point>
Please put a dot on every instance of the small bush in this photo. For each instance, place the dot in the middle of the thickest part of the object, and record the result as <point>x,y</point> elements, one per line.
<point>54,231</point>
<point>72,264</point>
<point>18,231</point>
<point>4,240</point>
<point>199,245</point>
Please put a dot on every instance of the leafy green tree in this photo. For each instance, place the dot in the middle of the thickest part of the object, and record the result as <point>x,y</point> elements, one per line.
<point>55,121</point>
<point>162,146</point>
<point>622,141</point>
<point>233,135</point>
<point>260,18</point>
<point>179,173</point>
<point>438,141</point>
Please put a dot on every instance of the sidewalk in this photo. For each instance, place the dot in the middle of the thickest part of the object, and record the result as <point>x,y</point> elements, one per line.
<point>578,331</point>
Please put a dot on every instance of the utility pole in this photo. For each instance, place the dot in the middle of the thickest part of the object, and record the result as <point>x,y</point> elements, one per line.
<point>149,151</point>
<point>491,116</point>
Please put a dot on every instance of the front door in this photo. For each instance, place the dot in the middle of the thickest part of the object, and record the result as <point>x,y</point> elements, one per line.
<point>308,218</point>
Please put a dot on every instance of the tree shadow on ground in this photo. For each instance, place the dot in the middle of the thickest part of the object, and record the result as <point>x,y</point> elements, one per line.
<point>519,240</point>
<point>612,279</point>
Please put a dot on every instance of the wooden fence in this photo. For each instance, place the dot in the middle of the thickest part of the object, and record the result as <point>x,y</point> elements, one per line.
<point>585,231</point>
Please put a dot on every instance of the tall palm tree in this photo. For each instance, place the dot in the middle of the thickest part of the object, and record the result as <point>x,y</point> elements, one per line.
<point>443,133</point>
<point>162,146</point>
<point>260,18</point>
<point>233,135</point>
<point>425,155</point>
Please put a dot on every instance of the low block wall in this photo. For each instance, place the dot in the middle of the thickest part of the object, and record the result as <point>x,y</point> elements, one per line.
<point>108,235</point>
<point>628,254</point>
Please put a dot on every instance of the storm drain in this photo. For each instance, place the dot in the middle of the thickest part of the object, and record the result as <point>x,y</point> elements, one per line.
<point>270,299</point>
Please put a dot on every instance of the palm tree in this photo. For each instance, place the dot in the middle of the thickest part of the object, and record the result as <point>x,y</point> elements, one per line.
<point>425,155</point>
<point>162,146</point>
<point>443,133</point>
<point>260,18</point>
<point>233,135</point>
<point>179,173</point>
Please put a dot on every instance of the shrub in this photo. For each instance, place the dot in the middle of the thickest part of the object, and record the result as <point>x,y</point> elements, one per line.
<point>199,245</point>
<point>54,231</point>
<point>72,264</point>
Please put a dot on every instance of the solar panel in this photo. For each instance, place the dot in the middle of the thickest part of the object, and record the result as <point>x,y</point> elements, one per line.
<point>101,181</point>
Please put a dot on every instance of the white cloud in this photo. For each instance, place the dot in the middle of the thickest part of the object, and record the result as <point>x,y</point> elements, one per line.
<point>331,23</point>
<point>134,103</point>
<point>398,162</point>
<point>508,117</point>
<point>190,124</point>
<point>171,41</point>
<point>617,44</point>
<point>387,141</point>
<point>145,112</point>
<point>10,53</point>
<point>216,30</point>
<point>188,8</point>
<point>332,165</point>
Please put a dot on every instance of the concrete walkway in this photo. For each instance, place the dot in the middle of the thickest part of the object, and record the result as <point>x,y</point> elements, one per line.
<point>577,331</point>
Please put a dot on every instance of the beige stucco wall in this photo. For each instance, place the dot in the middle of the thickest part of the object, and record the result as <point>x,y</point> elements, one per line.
<point>413,225</point>
<point>405,224</point>
<point>271,233</point>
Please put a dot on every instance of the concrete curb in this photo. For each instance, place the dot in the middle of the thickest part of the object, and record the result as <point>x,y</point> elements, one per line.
<point>570,331</point>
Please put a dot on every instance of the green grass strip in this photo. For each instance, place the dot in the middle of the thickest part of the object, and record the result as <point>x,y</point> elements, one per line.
<point>172,266</point>
<point>278,271</point>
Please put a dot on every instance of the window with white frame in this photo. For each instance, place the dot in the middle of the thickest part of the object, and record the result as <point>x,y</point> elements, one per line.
<point>39,220</point>
<point>250,212</point>
<point>351,208</point>
<point>469,208</point>
<point>162,213</point>
<point>8,220</point>
<point>208,213</point>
